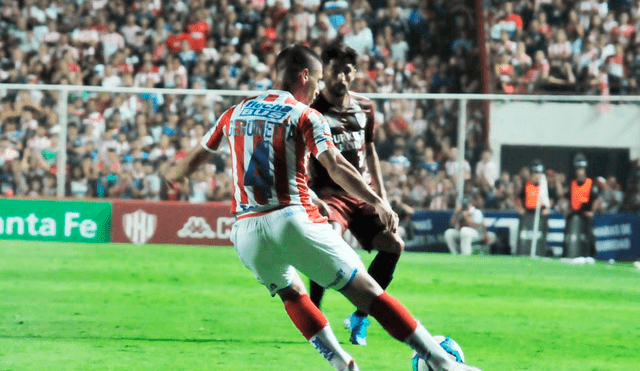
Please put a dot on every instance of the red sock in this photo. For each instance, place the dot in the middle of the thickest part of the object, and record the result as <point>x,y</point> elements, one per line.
<point>305,315</point>
<point>393,316</point>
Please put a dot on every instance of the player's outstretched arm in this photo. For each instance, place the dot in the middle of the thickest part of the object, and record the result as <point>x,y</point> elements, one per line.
<point>186,166</point>
<point>343,173</point>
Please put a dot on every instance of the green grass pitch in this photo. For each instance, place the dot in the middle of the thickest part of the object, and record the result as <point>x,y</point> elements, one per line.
<point>125,307</point>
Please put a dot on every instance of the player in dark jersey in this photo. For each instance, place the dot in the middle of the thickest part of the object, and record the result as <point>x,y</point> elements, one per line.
<point>351,119</point>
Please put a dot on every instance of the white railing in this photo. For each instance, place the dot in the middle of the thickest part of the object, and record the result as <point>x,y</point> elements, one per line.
<point>461,98</point>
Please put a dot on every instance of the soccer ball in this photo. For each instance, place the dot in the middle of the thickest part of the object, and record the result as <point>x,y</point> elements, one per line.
<point>450,345</point>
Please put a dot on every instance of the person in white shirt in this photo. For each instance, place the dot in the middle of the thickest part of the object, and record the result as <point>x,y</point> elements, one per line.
<point>467,229</point>
<point>130,29</point>
<point>112,41</point>
<point>451,166</point>
<point>361,38</point>
<point>487,171</point>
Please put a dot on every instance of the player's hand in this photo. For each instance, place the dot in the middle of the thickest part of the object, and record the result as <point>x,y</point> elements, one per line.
<point>169,174</point>
<point>589,214</point>
<point>387,215</point>
<point>322,206</point>
<point>545,211</point>
<point>171,178</point>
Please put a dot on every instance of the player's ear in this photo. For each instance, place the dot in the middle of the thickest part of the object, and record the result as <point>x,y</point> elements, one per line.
<point>304,76</point>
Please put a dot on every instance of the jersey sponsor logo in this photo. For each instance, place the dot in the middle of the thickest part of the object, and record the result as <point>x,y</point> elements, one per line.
<point>266,110</point>
<point>198,227</point>
<point>349,140</point>
<point>139,226</point>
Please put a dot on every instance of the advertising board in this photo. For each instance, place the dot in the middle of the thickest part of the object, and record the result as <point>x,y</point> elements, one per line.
<point>55,220</point>
<point>142,222</point>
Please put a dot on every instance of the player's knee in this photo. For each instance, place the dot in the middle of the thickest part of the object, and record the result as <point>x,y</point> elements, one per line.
<point>389,242</point>
<point>450,234</point>
<point>288,294</point>
<point>296,289</point>
<point>362,290</point>
<point>467,232</point>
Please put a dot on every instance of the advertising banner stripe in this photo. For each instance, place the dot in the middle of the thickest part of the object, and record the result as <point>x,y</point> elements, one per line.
<point>55,220</point>
<point>150,222</point>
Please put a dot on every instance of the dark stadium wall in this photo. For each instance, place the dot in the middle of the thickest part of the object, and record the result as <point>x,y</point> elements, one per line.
<point>602,161</point>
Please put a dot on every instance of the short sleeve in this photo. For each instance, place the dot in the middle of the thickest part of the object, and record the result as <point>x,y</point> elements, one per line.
<point>211,140</point>
<point>315,131</point>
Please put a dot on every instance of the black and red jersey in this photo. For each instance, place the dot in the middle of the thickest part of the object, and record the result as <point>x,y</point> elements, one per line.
<point>352,128</point>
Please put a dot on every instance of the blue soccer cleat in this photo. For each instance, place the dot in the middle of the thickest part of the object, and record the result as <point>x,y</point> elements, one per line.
<point>359,329</point>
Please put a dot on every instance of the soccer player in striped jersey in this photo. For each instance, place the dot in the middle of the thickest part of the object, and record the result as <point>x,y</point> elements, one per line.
<point>351,119</point>
<point>278,229</point>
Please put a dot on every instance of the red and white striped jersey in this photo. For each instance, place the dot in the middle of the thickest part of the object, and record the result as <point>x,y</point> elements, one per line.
<point>270,139</point>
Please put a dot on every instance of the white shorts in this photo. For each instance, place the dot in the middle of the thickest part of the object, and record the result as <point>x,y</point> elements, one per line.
<point>275,244</point>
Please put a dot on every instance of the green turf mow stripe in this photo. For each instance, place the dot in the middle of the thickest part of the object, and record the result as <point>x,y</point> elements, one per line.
<point>125,307</point>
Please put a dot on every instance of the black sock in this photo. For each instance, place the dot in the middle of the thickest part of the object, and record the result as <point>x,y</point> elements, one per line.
<point>382,268</point>
<point>315,293</point>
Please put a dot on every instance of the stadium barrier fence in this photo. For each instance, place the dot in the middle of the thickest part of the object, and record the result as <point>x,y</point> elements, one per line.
<point>537,128</point>
<point>546,121</point>
<point>210,224</point>
<point>617,235</point>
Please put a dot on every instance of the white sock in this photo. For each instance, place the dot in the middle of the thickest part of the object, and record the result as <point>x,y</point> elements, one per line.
<point>423,343</point>
<point>327,345</point>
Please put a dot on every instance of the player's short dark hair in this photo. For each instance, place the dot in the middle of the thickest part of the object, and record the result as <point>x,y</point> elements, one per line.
<point>340,52</point>
<point>293,59</point>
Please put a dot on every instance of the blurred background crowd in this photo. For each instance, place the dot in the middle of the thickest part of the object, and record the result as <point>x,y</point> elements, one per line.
<point>577,46</point>
<point>119,143</point>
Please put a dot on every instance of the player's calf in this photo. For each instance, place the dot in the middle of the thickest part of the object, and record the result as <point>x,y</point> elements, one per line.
<point>368,296</point>
<point>389,246</point>
<point>314,326</point>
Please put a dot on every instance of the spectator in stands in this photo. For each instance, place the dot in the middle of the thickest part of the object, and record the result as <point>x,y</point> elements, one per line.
<point>451,165</point>
<point>579,39</point>
<point>611,196</point>
<point>428,163</point>
<point>193,44</point>
<point>506,73</point>
<point>486,172</point>
<point>398,160</point>
<point>79,183</point>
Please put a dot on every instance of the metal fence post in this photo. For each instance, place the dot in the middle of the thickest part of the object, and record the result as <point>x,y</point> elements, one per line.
<point>462,131</point>
<point>62,143</point>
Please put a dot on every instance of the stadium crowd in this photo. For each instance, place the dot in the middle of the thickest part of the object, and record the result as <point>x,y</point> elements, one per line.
<point>118,144</point>
<point>584,47</point>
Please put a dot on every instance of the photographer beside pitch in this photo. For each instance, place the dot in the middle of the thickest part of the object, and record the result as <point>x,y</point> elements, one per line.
<point>279,229</point>
<point>467,229</point>
<point>351,119</point>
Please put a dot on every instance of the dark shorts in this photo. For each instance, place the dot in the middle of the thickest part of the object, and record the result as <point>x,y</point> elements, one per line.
<point>357,216</point>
